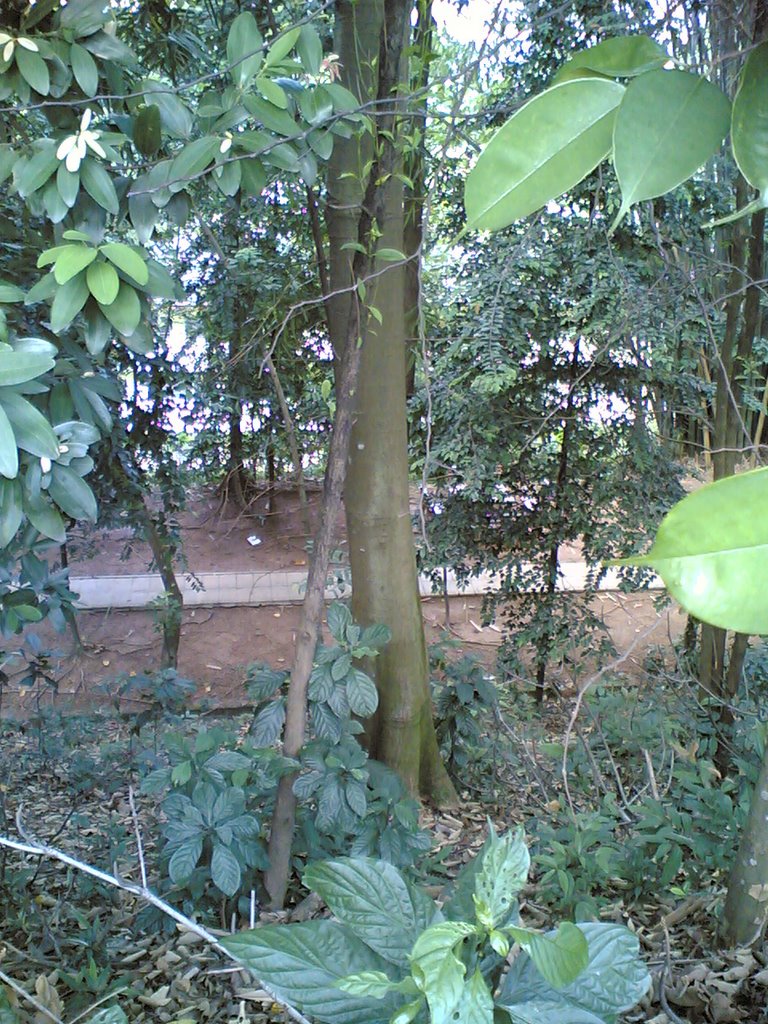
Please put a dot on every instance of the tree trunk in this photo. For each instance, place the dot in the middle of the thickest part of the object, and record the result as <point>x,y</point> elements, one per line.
<point>380,534</point>
<point>746,905</point>
<point>350,350</point>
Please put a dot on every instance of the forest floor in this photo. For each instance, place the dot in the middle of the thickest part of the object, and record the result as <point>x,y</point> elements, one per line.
<point>217,643</point>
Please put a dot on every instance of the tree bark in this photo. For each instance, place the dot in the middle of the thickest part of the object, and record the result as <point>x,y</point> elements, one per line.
<point>746,904</point>
<point>376,499</point>
<point>368,227</point>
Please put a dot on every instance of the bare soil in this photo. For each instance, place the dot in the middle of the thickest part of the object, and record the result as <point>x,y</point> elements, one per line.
<point>217,644</point>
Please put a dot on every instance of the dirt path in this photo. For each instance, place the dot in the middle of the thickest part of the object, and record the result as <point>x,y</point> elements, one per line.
<point>218,643</point>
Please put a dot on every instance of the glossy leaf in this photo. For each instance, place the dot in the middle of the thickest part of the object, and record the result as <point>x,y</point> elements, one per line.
<point>71,260</point>
<point>749,128</point>
<point>31,429</point>
<point>621,57</point>
<point>147,130</point>
<point>560,956</point>
<point>29,175</point>
<point>68,184</point>
<point>281,47</point>
<point>711,550</point>
<point>548,146</point>
<point>192,161</point>
<point>98,329</point>
<point>84,69</point>
<point>383,909</point>
<point>614,980</point>
<point>668,125</point>
<point>253,178</point>
<point>9,456</point>
<point>176,118</point>
<point>125,312</point>
<point>127,260</point>
<point>99,186</point>
<point>103,282</point>
<point>276,119</point>
<point>34,70</point>
<point>244,48</point>
<point>17,367</point>
<point>11,509</point>
<point>304,964</point>
<point>72,494</point>
<point>47,521</point>
<point>310,49</point>
<point>272,92</point>
<point>144,215</point>
<point>67,303</point>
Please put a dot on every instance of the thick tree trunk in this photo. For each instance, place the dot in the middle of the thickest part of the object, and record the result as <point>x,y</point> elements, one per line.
<point>350,350</point>
<point>382,553</point>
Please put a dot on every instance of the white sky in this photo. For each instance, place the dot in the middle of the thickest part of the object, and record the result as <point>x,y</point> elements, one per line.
<point>467,26</point>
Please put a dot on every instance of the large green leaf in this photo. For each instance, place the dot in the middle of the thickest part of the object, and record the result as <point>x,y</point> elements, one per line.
<point>103,282</point>
<point>72,494</point>
<point>176,117</point>
<point>271,92</point>
<point>502,872</point>
<point>144,214</point>
<point>47,520</point>
<point>225,870</point>
<point>711,550</point>
<point>18,367</point>
<point>29,175</point>
<point>438,969</point>
<point>84,69</point>
<point>310,49</point>
<point>668,125</point>
<point>749,119</point>
<point>613,981</point>
<point>125,312</point>
<point>68,184</point>
<point>383,909</point>
<point>621,57</point>
<point>98,184</point>
<point>303,964</point>
<point>67,302</point>
<point>192,161</point>
<point>560,956</point>
<point>272,117</point>
<point>33,69</point>
<point>127,259</point>
<point>476,1003</point>
<point>548,146</point>
<point>71,260</point>
<point>9,456</point>
<point>11,510</point>
<point>244,48</point>
<point>281,47</point>
<point>148,130</point>
<point>32,430</point>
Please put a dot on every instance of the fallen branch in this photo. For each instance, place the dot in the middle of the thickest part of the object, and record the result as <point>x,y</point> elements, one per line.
<point>37,849</point>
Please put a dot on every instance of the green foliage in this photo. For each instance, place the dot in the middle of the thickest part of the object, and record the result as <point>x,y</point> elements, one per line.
<point>658,131</point>
<point>711,552</point>
<point>391,954</point>
<point>464,697</point>
<point>545,148</point>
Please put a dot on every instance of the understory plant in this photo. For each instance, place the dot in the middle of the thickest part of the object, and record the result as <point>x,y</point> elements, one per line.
<point>218,786</point>
<point>391,954</point>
